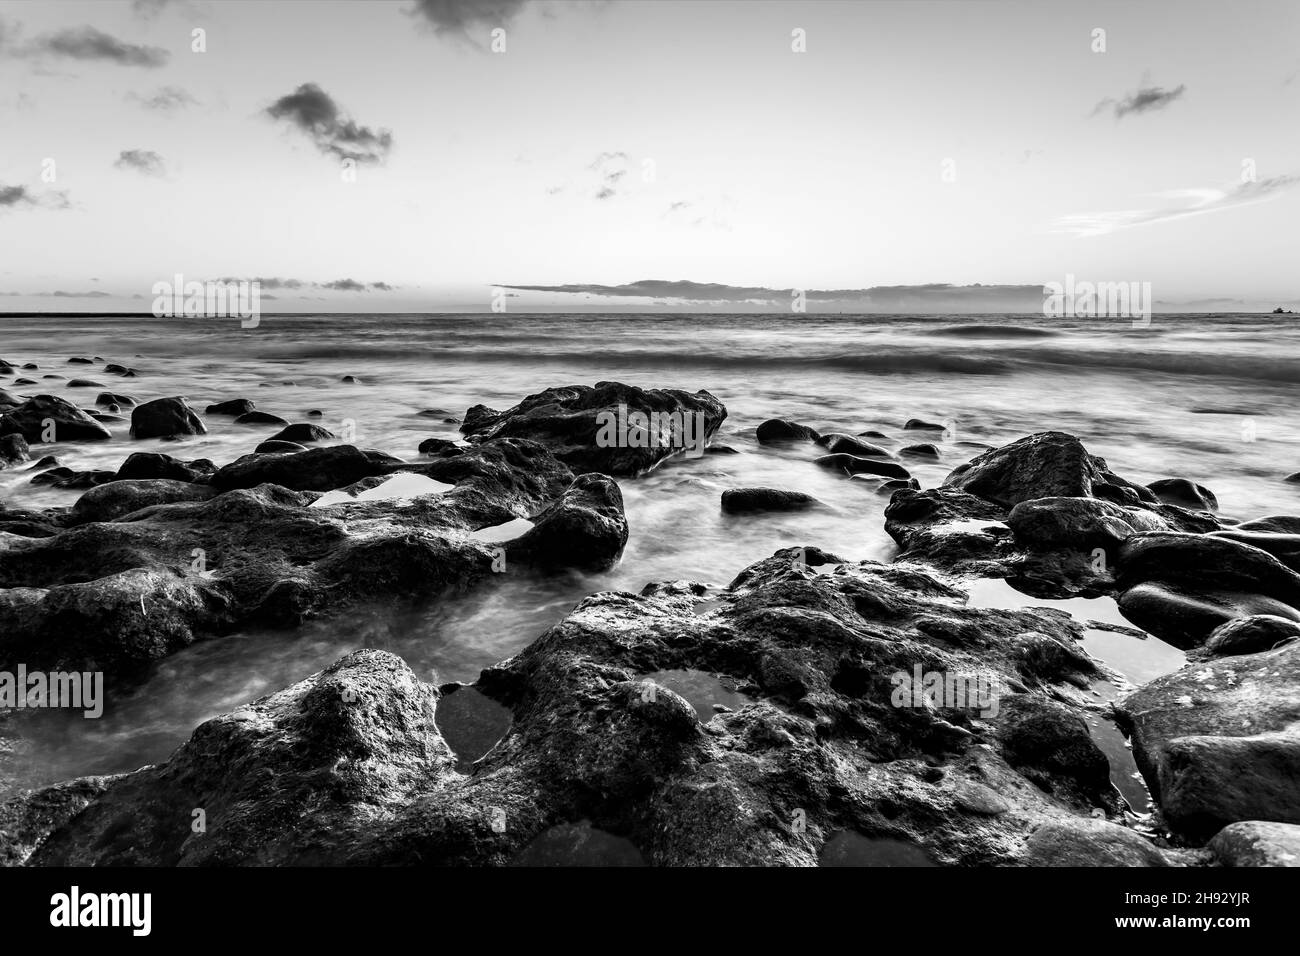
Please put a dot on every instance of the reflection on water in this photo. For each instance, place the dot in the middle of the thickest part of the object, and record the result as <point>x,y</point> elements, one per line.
<point>704,691</point>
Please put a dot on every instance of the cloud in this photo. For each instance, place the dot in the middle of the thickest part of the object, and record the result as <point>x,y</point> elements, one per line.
<point>338,285</point>
<point>314,112</point>
<point>20,197</point>
<point>165,100</point>
<point>610,168</point>
<point>1185,202</point>
<point>88,43</point>
<point>1144,100</point>
<point>935,297</point>
<point>144,161</point>
<point>456,17</point>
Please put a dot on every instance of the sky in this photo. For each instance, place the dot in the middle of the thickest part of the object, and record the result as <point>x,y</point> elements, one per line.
<point>403,156</point>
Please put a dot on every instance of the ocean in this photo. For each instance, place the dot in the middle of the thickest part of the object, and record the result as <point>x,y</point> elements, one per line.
<point>1206,397</point>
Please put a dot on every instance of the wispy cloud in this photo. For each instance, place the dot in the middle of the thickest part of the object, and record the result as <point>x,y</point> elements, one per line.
<point>314,112</point>
<point>1147,99</point>
<point>91,44</point>
<point>20,197</point>
<point>1182,203</point>
<point>337,285</point>
<point>144,161</point>
<point>168,99</point>
<point>610,168</point>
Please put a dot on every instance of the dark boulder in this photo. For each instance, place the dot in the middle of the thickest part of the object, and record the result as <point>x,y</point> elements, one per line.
<point>611,428</point>
<point>783,430</point>
<point>149,464</point>
<point>853,465</point>
<point>260,418</point>
<point>302,432</point>
<point>585,529</point>
<point>13,450</point>
<point>1185,494</point>
<point>113,499</point>
<point>234,406</point>
<point>48,417</point>
<point>112,398</point>
<point>165,417</point>
<point>274,446</point>
<point>1250,635</point>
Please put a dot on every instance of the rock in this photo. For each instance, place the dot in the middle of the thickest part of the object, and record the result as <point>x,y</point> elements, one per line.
<point>1186,619</point>
<point>25,381</point>
<point>114,499</point>
<point>148,464</point>
<point>1293,478</point>
<point>233,406</point>
<point>611,428</point>
<point>315,413</point>
<point>13,450</point>
<point>917,424</point>
<point>111,398</point>
<point>782,430</point>
<point>1048,741</point>
<point>165,417</point>
<point>1257,843</point>
<point>302,432</point>
<point>1284,547</point>
<point>74,598</point>
<point>1219,742</point>
<point>1079,523</point>
<point>584,529</point>
<point>112,368</point>
<point>316,469</point>
<point>1273,524</point>
<point>1205,563</point>
<point>274,446</point>
<point>350,380</point>
<point>84,383</point>
<point>80,360</point>
<point>745,500</point>
<point>350,766</point>
<point>849,445</point>
<point>924,451</point>
<point>1090,842</point>
<point>1044,465</point>
<point>69,423</point>
<point>68,479</point>
<point>1185,494</point>
<point>853,465</point>
<point>1249,635</point>
<point>717,449</point>
<point>260,418</point>
<point>897,484</point>
<point>30,365</point>
<point>49,461</point>
<point>435,446</point>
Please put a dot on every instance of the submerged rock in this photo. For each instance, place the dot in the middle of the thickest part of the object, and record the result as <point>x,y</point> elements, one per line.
<point>302,432</point>
<point>148,464</point>
<point>259,418</point>
<point>853,465</point>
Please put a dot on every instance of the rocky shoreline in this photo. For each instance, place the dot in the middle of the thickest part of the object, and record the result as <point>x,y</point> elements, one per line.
<point>814,710</point>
